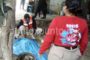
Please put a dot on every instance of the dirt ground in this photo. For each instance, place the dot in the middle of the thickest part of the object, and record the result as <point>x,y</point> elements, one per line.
<point>85,57</point>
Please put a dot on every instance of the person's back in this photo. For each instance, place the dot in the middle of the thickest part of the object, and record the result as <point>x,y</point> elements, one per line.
<point>63,20</point>
<point>65,26</point>
<point>69,34</point>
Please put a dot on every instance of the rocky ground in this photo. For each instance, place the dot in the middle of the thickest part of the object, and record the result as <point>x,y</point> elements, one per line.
<point>44,24</point>
<point>85,57</point>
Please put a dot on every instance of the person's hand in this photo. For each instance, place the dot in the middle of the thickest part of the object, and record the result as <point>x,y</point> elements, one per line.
<point>40,55</point>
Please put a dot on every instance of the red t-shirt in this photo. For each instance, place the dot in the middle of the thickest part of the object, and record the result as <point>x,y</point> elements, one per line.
<point>66,31</point>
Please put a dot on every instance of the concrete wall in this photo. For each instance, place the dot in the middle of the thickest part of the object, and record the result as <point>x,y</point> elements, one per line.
<point>55,5</point>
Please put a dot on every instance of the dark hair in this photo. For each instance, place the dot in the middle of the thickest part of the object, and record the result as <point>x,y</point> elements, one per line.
<point>26,16</point>
<point>73,6</point>
<point>20,23</point>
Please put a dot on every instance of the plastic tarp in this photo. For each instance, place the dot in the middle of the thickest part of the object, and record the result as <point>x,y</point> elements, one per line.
<point>24,45</point>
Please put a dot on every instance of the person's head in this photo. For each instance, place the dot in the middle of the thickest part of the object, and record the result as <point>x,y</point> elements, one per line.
<point>27,18</point>
<point>71,7</point>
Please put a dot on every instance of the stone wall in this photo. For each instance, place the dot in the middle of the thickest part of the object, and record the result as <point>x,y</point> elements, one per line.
<point>55,5</point>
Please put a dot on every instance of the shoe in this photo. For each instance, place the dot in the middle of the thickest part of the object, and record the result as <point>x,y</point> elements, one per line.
<point>43,18</point>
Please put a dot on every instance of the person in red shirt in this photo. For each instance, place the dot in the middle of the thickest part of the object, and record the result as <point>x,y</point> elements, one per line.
<point>67,35</point>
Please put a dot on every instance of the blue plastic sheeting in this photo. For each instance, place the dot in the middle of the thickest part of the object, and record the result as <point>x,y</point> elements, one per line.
<point>24,45</point>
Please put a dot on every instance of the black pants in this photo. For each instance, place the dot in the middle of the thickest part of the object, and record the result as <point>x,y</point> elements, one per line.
<point>39,9</point>
<point>44,11</point>
<point>34,25</point>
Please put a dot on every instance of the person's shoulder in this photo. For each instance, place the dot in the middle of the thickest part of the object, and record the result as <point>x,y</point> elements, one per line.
<point>82,20</point>
<point>59,17</point>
